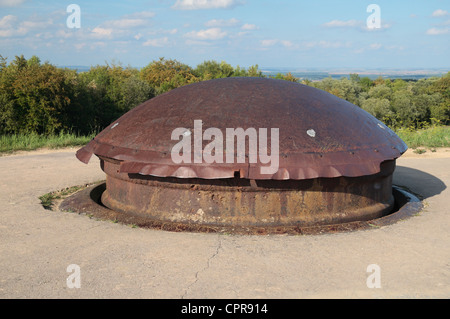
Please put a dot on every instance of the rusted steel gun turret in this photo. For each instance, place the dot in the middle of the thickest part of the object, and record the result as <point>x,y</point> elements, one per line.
<point>334,160</point>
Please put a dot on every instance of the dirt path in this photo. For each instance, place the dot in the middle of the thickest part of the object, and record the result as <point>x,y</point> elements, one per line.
<point>118,261</point>
<point>443,152</point>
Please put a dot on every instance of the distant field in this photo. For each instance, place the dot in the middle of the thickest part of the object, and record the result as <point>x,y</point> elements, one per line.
<point>29,142</point>
<point>319,75</point>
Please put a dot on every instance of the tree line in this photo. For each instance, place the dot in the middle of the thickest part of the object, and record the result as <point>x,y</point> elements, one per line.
<point>41,98</point>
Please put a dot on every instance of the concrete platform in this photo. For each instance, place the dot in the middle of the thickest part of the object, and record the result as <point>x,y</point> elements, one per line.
<point>119,261</point>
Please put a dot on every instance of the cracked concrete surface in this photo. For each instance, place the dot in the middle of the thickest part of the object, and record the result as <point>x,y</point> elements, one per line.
<point>208,263</point>
<point>118,261</point>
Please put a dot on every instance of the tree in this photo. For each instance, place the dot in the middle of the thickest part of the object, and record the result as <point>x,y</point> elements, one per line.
<point>34,61</point>
<point>33,97</point>
<point>240,72</point>
<point>3,63</point>
<point>441,111</point>
<point>254,71</point>
<point>378,107</point>
<point>165,75</point>
<point>19,63</point>
<point>398,85</point>
<point>381,91</point>
<point>134,92</point>
<point>287,77</point>
<point>366,83</point>
<point>355,77</point>
<point>379,81</point>
<point>213,70</point>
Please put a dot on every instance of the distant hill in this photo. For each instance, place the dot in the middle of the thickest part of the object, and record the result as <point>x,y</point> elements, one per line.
<point>316,74</point>
<point>79,68</point>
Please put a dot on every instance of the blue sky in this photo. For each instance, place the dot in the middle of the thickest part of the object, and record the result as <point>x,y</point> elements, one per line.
<point>286,33</point>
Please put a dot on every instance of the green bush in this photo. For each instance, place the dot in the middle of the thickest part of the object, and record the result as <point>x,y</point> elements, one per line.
<point>43,99</point>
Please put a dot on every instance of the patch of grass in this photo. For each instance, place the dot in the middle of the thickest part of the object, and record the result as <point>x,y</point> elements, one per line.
<point>32,141</point>
<point>435,136</point>
<point>419,151</point>
<point>48,200</point>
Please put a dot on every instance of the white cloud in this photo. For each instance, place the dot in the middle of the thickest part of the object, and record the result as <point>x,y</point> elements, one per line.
<point>361,25</point>
<point>375,46</point>
<point>199,43</point>
<point>62,33</point>
<point>6,33</point>
<point>80,46</point>
<point>287,44</point>
<point>326,44</point>
<point>249,27</point>
<point>439,13</point>
<point>11,27</point>
<point>269,42</point>
<point>36,24</point>
<point>240,34</point>
<point>11,3</point>
<point>340,23</point>
<point>437,31</point>
<point>222,23</point>
<point>208,34</point>
<point>126,23</point>
<point>7,21</point>
<point>156,42</point>
<point>204,4</point>
<point>272,42</point>
<point>98,44</point>
<point>141,15</point>
<point>394,47</point>
<point>378,46</point>
<point>138,19</point>
<point>102,32</point>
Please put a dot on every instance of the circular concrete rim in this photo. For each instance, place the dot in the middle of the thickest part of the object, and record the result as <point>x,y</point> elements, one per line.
<point>88,202</point>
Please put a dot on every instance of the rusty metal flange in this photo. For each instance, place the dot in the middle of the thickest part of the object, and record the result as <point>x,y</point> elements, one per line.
<point>88,201</point>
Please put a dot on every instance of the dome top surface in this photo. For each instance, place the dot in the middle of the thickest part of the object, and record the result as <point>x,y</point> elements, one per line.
<point>319,134</point>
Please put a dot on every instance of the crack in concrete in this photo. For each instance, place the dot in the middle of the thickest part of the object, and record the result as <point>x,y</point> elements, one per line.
<point>208,264</point>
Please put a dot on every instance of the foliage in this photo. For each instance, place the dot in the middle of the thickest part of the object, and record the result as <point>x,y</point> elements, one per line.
<point>33,97</point>
<point>432,136</point>
<point>40,98</point>
<point>32,141</point>
<point>43,99</point>
<point>287,77</point>
<point>165,75</point>
<point>209,70</point>
<point>397,103</point>
<point>107,92</point>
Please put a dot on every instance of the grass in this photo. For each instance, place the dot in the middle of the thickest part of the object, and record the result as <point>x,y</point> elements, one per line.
<point>48,200</point>
<point>435,136</point>
<point>419,151</point>
<point>29,142</point>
